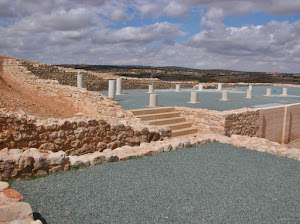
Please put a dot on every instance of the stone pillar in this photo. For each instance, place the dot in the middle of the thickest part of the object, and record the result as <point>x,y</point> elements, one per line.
<point>220,86</point>
<point>269,92</point>
<point>249,94</point>
<point>284,92</point>
<point>200,87</point>
<point>224,95</point>
<point>111,88</point>
<point>153,100</point>
<point>250,87</point>
<point>151,89</point>
<point>79,80</point>
<point>178,88</point>
<point>119,86</point>
<point>194,98</point>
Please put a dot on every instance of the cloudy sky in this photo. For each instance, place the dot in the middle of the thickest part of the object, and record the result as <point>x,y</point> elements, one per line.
<point>249,35</point>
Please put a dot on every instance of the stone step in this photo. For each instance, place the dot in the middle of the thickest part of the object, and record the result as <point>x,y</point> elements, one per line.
<point>179,125</point>
<point>166,121</point>
<point>184,131</point>
<point>152,111</point>
<point>148,117</point>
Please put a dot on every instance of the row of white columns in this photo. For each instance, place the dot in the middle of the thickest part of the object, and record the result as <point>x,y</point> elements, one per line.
<point>112,90</point>
<point>194,96</point>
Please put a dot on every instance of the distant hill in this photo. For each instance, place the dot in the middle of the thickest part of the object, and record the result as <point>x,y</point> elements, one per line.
<point>174,73</point>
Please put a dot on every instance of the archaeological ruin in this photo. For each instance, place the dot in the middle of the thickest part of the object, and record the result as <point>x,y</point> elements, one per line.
<point>97,129</point>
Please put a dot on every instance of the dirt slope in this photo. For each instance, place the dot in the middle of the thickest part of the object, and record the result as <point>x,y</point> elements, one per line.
<point>21,97</point>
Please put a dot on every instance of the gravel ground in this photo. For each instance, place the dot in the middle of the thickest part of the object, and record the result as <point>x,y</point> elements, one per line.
<point>215,183</point>
<point>209,99</point>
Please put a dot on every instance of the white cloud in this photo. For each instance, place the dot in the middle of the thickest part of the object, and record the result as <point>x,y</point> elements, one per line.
<point>163,31</point>
<point>92,30</point>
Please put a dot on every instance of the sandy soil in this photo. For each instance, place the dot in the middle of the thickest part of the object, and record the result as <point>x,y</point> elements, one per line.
<point>21,97</point>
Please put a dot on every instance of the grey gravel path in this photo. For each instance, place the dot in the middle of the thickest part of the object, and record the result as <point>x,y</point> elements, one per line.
<point>215,183</point>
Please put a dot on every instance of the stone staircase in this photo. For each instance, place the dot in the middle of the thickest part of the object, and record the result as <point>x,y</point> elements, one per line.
<point>166,117</point>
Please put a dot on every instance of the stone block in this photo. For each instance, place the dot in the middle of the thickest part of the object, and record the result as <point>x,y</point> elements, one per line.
<point>15,211</point>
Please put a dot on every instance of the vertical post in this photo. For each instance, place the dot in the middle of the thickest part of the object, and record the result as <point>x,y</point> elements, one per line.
<point>220,86</point>
<point>119,86</point>
<point>111,88</point>
<point>269,92</point>
<point>153,100</point>
<point>79,80</point>
<point>286,129</point>
<point>178,88</point>
<point>224,95</point>
<point>194,98</point>
<point>151,89</point>
<point>250,87</point>
<point>249,94</point>
<point>284,92</point>
<point>200,87</point>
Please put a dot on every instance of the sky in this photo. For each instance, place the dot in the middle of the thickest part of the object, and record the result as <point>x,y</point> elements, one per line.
<point>245,35</point>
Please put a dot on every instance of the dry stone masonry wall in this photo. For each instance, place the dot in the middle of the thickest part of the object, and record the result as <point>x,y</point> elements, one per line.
<point>238,122</point>
<point>74,136</point>
<point>94,83</point>
<point>242,123</point>
<point>207,121</point>
<point>43,71</point>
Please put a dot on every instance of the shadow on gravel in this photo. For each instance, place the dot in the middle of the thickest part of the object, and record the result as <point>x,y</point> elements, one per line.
<point>37,215</point>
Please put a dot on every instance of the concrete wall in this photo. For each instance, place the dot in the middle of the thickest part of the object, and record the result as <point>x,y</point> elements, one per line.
<point>280,124</point>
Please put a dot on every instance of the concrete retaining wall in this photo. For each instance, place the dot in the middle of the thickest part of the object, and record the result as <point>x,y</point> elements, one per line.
<point>280,124</point>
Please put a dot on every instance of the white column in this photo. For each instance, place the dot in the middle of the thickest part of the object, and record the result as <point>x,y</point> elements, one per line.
<point>224,95</point>
<point>153,100</point>
<point>249,94</point>
<point>151,89</point>
<point>111,88</point>
<point>200,87</point>
<point>119,86</point>
<point>194,98</point>
<point>269,92</point>
<point>284,92</point>
<point>220,86</point>
<point>79,80</point>
<point>178,88</point>
<point>250,87</point>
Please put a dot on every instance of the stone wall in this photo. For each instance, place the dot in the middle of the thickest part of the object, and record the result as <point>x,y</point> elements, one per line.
<point>207,121</point>
<point>76,136</point>
<point>241,122</point>
<point>94,83</point>
<point>238,122</point>
<point>43,71</point>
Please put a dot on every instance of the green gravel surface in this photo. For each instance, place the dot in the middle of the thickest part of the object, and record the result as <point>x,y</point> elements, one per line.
<point>214,183</point>
<point>209,99</point>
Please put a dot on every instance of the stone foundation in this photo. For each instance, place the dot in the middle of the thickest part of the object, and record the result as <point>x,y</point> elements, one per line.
<point>76,136</point>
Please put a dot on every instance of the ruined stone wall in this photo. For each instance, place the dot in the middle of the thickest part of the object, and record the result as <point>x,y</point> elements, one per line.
<point>157,84</point>
<point>207,121</point>
<point>238,122</point>
<point>76,136</point>
<point>43,71</point>
<point>241,122</point>
<point>94,83</point>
